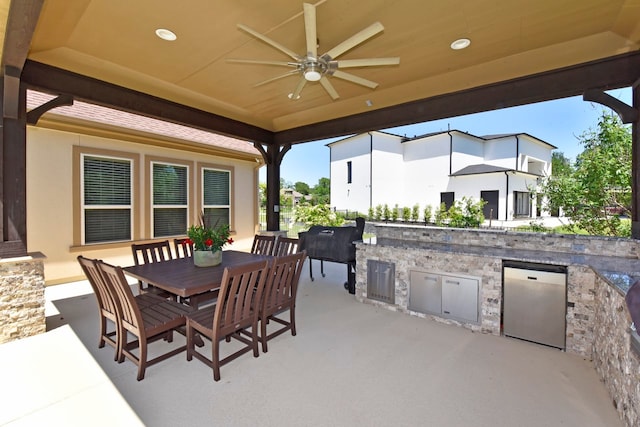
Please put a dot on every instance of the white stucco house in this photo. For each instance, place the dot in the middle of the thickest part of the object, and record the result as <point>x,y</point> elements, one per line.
<point>378,168</point>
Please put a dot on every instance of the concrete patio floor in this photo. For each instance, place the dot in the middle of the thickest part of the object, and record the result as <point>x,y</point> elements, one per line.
<point>351,364</point>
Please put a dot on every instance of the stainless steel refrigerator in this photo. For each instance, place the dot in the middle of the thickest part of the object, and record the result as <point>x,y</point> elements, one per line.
<point>535,302</point>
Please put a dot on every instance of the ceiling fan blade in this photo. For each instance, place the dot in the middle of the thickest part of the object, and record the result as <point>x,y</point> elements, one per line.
<point>290,73</point>
<point>355,40</point>
<point>372,62</point>
<point>269,41</point>
<point>355,79</point>
<point>259,62</point>
<point>326,84</point>
<point>310,29</point>
<point>296,93</point>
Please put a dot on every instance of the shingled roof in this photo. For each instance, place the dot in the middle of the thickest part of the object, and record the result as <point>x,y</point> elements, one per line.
<point>91,113</point>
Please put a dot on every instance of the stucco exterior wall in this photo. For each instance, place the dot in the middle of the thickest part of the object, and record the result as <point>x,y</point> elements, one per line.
<point>50,192</point>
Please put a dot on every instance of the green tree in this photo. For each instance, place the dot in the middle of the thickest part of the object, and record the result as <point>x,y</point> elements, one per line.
<point>600,180</point>
<point>262,191</point>
<point>302,187</point>
<point>560,165</point>
<point>321,193</point>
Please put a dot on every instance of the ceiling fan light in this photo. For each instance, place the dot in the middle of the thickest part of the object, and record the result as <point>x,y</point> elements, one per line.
<point>312,75</point>
<point>460,44</point>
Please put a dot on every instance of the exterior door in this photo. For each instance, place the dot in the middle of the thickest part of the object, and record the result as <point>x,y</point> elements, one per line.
<point>447,198</point>
<point>490,209</point>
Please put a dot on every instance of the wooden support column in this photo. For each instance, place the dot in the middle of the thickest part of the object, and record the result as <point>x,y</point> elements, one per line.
<point>272,156</point>
<point>13,143</point>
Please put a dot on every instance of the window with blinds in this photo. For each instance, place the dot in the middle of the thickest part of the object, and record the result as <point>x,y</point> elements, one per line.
<point>106,199</point>
<point>170,199</point>
<point>216,196</point>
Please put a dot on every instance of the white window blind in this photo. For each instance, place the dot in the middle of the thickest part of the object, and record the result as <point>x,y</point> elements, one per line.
<point>170,199</point>
<point>216,189</point>
<point>106,199</point>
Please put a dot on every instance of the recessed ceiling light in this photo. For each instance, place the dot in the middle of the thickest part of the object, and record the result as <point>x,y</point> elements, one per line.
<point>165,34</point>
<point>291,96</point>
<point>368,102</point>
<point>460,44</point>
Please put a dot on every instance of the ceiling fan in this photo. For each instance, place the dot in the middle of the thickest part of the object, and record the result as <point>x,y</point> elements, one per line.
<point>314,68</point>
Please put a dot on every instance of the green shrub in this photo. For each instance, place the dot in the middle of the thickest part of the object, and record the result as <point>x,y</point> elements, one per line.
<point>394,213</point>
<point>317,215</point>
<point>415,213</point>
<point>427,213</point>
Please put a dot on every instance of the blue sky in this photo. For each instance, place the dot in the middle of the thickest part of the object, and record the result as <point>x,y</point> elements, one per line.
<point>558,122</point>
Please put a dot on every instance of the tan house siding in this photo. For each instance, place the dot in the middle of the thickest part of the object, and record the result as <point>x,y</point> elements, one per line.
<point>53,196</point>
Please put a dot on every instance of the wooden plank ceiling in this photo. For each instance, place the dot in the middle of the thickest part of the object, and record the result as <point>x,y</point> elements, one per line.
<point>115,42</point>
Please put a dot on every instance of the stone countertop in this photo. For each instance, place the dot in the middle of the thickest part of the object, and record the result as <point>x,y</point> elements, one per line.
<point>620,272</point>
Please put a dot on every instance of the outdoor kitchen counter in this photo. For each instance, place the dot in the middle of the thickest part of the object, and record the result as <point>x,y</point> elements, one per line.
<point>620,272</point>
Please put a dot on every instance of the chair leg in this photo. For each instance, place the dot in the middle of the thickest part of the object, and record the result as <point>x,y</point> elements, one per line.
<point>254,339</point>
<point>142,358</point>
<point>215,359</point>
<point>263,334</point>
<point>311,269</point>
<point>292,321</point>
<point>103,331</point>
<point>189,333</point>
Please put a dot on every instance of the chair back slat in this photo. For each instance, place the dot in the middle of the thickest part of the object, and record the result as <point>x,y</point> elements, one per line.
<point>146,253</point>
<point>130,313</point>
<point>263,244</point>
<point>285,246</point>
<point>182,248</point>
<point>106,300</point>
<point>240,292</point>
<point>280,290</point>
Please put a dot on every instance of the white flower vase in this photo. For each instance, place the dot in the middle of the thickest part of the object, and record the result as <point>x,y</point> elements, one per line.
<point>207,258</point>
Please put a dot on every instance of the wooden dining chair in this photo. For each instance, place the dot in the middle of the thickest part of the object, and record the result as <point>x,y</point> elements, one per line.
<point>182,248</point>
<point>280,295</point>
<point>285,246</point>
<point>106,305</point>
<point>263,244</point>
<point>146,253</point>
<point>236,309</point>
<point>146,324</point>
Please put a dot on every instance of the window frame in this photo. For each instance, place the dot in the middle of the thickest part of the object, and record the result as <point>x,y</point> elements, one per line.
<point>201,168</point>
<point>149,201</point>
<point>79,153</point>
<point>516,203</point>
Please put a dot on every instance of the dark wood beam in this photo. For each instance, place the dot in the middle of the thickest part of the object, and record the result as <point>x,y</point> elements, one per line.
<point>34,115</point>
<point>627,113</point>
<point>609,73</point>
<point>57,81</point>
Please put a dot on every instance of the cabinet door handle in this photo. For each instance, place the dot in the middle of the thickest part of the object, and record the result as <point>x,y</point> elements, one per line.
<point>453,282</point>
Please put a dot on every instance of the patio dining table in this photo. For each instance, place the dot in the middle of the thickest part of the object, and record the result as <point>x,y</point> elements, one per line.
<point>182,278</point>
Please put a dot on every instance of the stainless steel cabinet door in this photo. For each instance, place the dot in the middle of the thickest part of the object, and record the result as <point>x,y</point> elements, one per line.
<point>460,298</point>
<point>425,292</point>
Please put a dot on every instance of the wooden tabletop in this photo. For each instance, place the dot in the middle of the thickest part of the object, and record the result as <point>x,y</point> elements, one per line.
<point>181,277</point>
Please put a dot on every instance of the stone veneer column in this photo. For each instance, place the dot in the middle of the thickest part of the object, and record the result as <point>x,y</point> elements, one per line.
<point>22,297</point>
<point>616,363</point>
